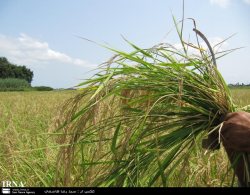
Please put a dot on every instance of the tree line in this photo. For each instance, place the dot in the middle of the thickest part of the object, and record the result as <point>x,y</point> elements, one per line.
<point>238,85</point>
<point>9,70</point>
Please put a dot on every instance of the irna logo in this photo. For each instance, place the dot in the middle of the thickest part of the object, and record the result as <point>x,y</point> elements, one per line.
<point>12,184</point>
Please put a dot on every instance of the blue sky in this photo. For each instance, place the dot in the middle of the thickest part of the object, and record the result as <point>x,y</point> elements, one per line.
<point>43,34</point>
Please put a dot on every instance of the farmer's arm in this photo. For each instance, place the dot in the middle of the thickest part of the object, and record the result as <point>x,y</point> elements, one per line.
<point>235,133</point>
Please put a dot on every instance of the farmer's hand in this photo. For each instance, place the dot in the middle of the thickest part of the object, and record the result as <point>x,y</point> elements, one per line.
<point>235,133</point>
<point>235,136</point>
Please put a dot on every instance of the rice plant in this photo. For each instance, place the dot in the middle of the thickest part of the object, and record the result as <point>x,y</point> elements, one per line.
<point>142,116</point>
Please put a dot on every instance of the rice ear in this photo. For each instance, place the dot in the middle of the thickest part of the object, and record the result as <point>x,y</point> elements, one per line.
<point>143,114</point>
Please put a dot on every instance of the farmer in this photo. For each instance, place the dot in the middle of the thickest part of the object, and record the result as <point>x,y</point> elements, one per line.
<point>235,137</point>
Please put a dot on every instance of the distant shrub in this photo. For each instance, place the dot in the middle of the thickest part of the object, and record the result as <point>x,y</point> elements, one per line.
<point>13,84</point>
<point>42,88</point>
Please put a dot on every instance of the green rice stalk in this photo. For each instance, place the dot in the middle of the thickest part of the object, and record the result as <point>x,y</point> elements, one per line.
<point>141,116</point>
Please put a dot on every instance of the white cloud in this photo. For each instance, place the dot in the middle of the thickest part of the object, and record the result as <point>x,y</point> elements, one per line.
<point>27,50</point>
<point>247,1</point>
<point>221,3</point>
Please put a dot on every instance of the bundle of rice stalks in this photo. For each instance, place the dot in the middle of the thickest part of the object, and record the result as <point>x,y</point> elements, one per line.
<point>141,116</point>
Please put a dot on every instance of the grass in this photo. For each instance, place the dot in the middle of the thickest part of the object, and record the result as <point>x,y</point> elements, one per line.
<point>28,150</point>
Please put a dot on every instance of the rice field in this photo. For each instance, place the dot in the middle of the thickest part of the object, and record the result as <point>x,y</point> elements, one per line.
<point>29,144</point>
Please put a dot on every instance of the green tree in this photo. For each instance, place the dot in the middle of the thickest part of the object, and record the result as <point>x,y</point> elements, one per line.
<point>9,70</point>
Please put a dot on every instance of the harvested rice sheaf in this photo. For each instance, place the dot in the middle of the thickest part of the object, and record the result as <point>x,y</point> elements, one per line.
<point>142,116</point>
